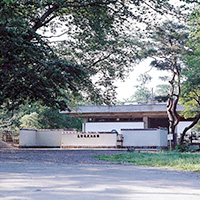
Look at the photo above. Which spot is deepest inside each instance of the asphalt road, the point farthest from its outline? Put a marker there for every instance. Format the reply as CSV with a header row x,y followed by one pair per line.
x,y
76,175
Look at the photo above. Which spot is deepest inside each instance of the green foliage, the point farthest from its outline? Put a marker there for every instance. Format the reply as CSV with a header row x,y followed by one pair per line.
x,y
183,148
190,96
162,93
188,100
37,116
142,94
162,90
30,70
169,44
52,119
175,160
30,121
191,74
38,65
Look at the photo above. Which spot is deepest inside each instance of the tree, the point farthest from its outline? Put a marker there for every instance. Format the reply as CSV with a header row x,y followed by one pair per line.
x,y
35,67
190,97
30,121
36,116
142,94
168,47
162,90
161,93
51,118
191,74
191,100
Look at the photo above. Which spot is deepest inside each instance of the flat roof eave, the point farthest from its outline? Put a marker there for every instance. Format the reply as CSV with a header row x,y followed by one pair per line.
x,y
120,111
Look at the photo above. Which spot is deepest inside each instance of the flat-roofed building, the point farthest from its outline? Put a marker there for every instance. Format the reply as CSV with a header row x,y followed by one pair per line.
x,y
118,117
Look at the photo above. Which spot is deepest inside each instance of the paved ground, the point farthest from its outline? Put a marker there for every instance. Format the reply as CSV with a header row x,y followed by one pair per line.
x,y
76,175
4,145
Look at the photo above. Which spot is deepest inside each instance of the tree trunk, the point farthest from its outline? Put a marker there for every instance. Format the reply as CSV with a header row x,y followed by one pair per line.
x,y
196,119
172,113
173,118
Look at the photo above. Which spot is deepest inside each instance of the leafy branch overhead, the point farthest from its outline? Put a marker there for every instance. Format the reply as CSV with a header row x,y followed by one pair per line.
x,y
53,51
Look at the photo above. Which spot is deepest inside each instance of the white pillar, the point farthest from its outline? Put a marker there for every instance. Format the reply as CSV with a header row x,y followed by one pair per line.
x,y
146,122
84,125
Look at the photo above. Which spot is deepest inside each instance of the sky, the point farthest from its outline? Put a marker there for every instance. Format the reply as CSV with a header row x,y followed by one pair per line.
x,y
127,88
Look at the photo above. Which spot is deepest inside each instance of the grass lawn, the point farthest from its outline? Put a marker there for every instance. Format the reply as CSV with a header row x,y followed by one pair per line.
x,y
175,160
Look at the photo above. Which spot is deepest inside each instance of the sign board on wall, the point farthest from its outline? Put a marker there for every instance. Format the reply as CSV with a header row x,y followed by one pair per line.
x,y
170,136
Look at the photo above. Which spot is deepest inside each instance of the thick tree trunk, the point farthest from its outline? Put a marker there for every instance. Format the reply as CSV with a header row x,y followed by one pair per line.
x,y
173,118
172,113
196,119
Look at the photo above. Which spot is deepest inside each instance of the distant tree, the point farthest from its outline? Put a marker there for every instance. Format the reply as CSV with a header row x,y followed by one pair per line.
x,y
142,93
162,92
52,119
37,116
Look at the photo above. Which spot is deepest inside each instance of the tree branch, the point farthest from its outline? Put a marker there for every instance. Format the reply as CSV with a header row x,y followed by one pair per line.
x,y
53,36
100,60
73,4
41,21
196,119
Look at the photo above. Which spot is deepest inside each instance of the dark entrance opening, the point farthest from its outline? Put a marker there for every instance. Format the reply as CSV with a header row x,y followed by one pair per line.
x,y
158,122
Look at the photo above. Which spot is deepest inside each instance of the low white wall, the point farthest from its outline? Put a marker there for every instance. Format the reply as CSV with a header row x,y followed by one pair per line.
x,y
61,138
92,139
49,138
109,126
40,138
163,137
57,138
27,137
144,137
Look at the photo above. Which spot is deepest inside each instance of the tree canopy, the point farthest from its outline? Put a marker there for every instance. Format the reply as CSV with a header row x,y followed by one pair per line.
x,y
53,51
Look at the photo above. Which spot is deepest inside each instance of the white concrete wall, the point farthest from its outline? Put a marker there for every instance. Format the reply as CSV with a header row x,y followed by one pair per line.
x,y
145,137
40,138
27,137
78,139
109,126
49,138
57,138
163,137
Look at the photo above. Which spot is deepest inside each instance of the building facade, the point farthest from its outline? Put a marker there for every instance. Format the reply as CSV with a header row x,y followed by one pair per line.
x,y
119,126
118,117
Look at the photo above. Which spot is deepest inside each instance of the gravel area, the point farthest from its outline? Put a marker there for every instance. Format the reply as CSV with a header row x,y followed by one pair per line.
x,y
63,174
5,145
77,157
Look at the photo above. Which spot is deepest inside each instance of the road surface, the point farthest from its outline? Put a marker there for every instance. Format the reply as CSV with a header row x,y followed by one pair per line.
x,y
76,175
